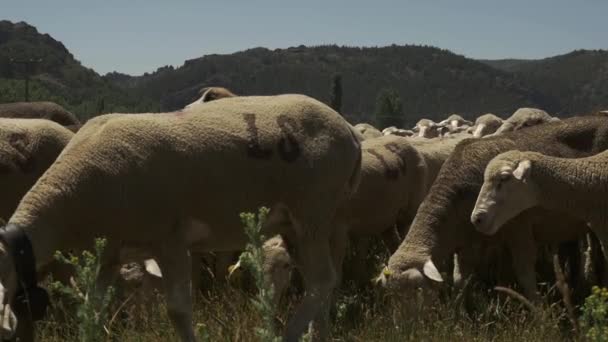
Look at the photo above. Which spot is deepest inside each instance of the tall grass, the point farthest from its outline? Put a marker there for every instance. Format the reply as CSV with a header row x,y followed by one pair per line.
x,y
227,313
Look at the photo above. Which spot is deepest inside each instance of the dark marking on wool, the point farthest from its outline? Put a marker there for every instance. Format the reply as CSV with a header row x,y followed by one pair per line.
x,y
401,155
289,148
254,149
389,172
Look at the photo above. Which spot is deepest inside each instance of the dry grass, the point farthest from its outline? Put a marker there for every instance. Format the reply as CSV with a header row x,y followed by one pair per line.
x,y
227,314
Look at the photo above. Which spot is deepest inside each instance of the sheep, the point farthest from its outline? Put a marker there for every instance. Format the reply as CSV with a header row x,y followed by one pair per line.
x,y
173,182
455,121
427,129
442,224
403,133
222,259
397,131
368,131
215,93
277,266
515,181
396,174
27,148
209,94
485,125
40,110
525,117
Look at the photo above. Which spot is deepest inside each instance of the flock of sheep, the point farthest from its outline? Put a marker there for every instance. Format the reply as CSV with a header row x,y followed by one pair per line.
x,y
165,189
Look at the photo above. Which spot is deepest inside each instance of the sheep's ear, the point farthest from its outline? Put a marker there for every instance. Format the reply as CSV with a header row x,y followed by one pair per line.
x,y
431,271
153,268
208,95
523,170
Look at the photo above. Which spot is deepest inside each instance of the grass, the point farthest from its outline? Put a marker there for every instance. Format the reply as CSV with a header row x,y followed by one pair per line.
x,y
228,313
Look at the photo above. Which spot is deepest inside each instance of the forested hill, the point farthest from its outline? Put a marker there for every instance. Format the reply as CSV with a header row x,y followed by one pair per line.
x,y
58,76
430,82
426,81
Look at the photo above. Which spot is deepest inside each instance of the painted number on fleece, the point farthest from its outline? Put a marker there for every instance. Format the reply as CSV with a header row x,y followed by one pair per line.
x,y
288,147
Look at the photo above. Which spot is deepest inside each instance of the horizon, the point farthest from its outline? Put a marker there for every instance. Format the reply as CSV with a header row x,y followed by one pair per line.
x,y
138,37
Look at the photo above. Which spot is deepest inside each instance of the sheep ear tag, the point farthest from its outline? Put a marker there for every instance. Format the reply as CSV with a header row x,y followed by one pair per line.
x,y
34,302
523,170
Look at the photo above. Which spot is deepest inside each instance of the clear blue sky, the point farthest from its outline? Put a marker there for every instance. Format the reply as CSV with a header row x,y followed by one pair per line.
x,y
135,36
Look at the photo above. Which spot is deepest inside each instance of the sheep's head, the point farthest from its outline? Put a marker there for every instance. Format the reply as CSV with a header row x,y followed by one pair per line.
x,y
455,121
427,129
505,193
404,273
8,288
486,124
209,94
278,265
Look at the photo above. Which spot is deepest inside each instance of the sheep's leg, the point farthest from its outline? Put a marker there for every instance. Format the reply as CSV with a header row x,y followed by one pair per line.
x,y
196,266
358,267
176,264
339,244
602,235
523,256
314,259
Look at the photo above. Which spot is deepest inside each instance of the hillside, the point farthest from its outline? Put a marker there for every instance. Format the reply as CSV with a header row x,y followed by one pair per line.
x,y
58,77
576,82
508,64
430,82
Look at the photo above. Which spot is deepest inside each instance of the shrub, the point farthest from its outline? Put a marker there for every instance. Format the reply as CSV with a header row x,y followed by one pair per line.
x,y
92,303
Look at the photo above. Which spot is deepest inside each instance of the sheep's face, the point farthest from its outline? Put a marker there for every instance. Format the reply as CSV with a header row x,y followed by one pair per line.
x,y
408,273
8,286
277,265
484,128
428,129
505,193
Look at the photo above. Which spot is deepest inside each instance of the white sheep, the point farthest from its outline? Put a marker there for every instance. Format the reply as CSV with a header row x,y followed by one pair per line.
x,y
173,182
515,181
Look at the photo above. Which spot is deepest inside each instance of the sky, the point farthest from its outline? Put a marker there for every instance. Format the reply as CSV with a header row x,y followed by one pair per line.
x,y
137,36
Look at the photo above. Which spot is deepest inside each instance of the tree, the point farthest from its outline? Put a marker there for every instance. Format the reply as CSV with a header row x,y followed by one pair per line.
x,y
389,109
336,93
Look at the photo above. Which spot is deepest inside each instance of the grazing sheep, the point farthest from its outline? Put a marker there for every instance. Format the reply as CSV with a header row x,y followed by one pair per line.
x,y
525,117
368,131
515,181
455,121
485,125
27,148
40,110
427,129
277,267
396,174
442,224
167,183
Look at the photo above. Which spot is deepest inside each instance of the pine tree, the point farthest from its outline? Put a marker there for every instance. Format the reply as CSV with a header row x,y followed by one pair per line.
x,y
336,93
389,109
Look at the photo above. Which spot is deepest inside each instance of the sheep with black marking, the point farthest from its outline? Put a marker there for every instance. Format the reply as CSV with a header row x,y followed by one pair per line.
x,y
173,182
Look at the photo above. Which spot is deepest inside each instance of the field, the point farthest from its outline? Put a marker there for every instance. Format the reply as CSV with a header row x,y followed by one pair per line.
x,y
226,312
